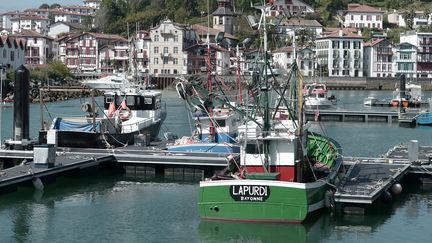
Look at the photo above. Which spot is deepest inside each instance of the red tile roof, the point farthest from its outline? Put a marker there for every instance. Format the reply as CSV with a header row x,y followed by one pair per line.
x,y
358,8
346,33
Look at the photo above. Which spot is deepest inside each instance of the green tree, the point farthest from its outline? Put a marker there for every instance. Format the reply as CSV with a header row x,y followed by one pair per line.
x,y
55,5
44,6
191,7
408,16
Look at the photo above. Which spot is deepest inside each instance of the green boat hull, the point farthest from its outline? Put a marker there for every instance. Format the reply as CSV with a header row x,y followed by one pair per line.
x,y
260,200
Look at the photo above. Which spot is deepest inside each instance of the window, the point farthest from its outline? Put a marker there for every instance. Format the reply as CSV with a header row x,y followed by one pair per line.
x,y
176,38
165,60
12,57
165,50
156,49
156,38
369,17
175,50
175,61
361,17
378,17
4,53
155,71
220,20
352,17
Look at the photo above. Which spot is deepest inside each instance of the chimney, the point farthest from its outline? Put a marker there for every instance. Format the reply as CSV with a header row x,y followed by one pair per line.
x,y
359,33
340,33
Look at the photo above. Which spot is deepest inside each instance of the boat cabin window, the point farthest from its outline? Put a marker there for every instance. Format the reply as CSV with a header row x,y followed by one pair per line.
x,y
221,123
134,102
321,95
130,100
254,148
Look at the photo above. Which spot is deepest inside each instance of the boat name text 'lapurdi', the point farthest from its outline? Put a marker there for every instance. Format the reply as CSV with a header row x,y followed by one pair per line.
x,y
250,193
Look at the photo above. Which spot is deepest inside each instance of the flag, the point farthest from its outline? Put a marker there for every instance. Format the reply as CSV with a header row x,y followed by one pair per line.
x,y
123,105
111,110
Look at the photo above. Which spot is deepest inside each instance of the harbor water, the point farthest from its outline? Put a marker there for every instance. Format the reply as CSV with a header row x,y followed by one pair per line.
x,y
108,206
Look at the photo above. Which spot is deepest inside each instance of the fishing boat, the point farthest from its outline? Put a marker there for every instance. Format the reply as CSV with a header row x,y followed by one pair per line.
x,y
129,115
316,96
107,83
215,120
410,95
284,172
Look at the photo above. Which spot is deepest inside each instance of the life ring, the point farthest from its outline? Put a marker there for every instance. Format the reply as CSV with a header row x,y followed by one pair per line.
x,y
125,114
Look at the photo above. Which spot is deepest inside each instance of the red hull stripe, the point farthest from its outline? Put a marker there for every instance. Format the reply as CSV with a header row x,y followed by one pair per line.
x,y
287,173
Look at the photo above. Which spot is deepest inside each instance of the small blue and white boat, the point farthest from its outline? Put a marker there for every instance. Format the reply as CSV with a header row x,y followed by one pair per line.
x,y
424,118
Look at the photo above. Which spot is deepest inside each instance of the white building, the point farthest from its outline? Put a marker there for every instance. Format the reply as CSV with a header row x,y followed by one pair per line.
x,y
93,3
142,47
294,7
378,58
80,9
340,52
423,42
72,17
38,50
30,22
405,61
396,17
63,27
363,16
82,51
11,51
308,61
283,57
169,41
9,16
312,27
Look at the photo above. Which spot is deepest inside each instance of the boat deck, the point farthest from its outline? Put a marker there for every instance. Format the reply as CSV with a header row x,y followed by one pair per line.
x,y
365,182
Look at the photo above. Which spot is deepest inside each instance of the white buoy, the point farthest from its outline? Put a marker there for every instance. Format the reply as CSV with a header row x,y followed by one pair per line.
x,y
37,183
396,188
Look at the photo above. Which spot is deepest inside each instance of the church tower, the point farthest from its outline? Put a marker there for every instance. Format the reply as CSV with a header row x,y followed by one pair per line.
x,y
223,17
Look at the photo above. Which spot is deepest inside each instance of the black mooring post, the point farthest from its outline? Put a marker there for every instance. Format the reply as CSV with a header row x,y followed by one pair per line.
x,y
21,107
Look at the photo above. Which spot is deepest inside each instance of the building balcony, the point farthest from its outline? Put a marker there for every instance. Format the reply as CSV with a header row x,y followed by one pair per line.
x,y
121,58
166,32
335,65
346,66
165,54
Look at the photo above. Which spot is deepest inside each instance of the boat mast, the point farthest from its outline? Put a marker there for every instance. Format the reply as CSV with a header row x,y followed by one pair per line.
x,y
209,79
265,87
239,88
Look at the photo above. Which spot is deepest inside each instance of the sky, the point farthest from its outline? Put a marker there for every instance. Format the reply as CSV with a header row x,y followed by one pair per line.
x,y
11,5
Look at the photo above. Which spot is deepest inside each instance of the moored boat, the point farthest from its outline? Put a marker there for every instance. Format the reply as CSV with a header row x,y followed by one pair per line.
x,y
284,172
316,96
107,83
369,101
424,118
129,115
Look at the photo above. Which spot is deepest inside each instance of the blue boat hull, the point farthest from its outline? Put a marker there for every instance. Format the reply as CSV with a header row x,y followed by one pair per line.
x,y
206,148
424,119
